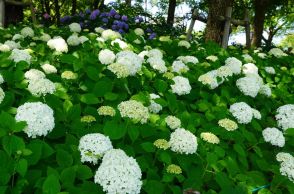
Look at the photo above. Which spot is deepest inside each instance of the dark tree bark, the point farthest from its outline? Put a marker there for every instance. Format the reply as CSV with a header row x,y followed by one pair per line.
x,y
171,12
260,7
214,28
47,6
74,7
57,11
96,4
13,14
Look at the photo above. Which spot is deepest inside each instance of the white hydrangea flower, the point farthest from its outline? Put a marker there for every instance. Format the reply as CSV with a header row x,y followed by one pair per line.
x,y
34,74
228,124
154,107
285,116
27,32
119,70
41,87
188,59
287,165
234,64
139,32
17,37
122,44
73,40
4,48
183,141
181,85
249,85
184,43
1,79
75,27
130,60
262,55
154,96
265,90
39,118
58,44
248,58
179,67
277,52
256,114
45,37
210,79
20,55
106,111
93,146
249,68
49,69
173,122
224,72
273,136
242,112
12,45
110,35
119,173
212,58
83,39
69,75
156,53
134,110
142,54
270,70
99,30
209,137
106,56
2,95
157,64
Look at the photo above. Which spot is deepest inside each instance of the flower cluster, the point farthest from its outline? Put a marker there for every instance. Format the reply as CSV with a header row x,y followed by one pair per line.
x,y
75,27
119,173
181,85
161,144
39,118
228,124
69,75
88,119
154,107
179,67
210,137
106,56
93,146
106,111
273,136
285,116
20,55
287,165
173,122
134,110
49,69
277,52
270,70
155,59
174,169
242,112
183,141
27,32
188,59
58,44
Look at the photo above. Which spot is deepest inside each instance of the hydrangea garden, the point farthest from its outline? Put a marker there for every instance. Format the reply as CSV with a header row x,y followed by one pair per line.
x,y
107,111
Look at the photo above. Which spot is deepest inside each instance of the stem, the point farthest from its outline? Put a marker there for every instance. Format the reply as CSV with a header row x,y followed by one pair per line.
x,y
126,87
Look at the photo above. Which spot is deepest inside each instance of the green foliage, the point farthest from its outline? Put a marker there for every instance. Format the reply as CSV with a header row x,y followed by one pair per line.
x,y
241,161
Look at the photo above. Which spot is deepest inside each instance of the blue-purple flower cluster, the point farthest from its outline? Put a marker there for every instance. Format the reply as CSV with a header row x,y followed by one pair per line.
x,y
107,20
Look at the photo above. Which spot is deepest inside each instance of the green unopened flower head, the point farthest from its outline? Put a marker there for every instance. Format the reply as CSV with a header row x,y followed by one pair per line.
x,y
174,169
106,111
161,144
88,119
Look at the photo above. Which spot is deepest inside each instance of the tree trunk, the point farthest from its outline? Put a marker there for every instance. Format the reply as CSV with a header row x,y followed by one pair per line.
x,y
129,2
95,4
171,12
74,7
215,27
57,11
259,9
47,6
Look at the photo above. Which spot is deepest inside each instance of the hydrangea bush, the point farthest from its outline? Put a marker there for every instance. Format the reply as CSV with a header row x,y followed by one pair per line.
x,y
97,112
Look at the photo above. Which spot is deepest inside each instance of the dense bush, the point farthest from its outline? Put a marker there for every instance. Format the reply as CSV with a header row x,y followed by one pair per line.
x,y
159,101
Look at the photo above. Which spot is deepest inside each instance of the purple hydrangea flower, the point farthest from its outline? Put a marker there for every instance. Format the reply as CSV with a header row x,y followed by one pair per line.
x,y
126,26
124,18
114,27
46,16
152,36
82,24
117,16
81,14
103,15
105,20
116,22
88,11
112,13
148,30
121,31
120,24
65,19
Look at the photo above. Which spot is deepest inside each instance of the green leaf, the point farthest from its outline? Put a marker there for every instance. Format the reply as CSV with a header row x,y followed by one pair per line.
x,y
51,185
240,150
165,157
12,143
89,99
93,73
19,126
63,158
148,147
84,172
223,180
160,85
67,58
133,133
68,175
102,87
110,96
154,187
114,130
21,167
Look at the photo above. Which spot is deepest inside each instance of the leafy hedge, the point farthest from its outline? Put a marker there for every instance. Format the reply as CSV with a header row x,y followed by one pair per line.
x,y
241,162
